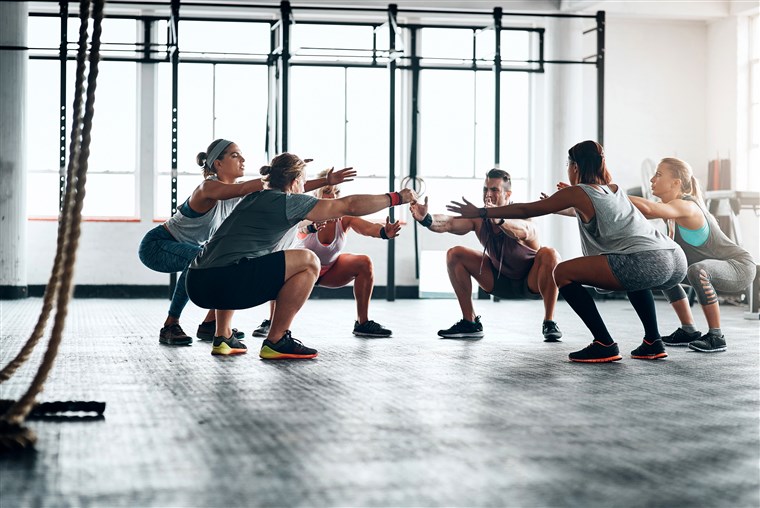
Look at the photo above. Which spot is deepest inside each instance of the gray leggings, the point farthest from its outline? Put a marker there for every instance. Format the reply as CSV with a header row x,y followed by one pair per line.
x,y
711,275
653,269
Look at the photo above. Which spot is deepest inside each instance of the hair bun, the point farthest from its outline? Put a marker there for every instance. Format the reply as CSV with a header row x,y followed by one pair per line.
x,y
265,170
200,159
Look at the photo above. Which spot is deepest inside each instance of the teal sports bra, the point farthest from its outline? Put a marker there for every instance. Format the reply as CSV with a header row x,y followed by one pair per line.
x,y
695,237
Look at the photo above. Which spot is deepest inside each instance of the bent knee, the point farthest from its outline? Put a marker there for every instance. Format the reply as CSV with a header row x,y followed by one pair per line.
x,y
547,256
456,254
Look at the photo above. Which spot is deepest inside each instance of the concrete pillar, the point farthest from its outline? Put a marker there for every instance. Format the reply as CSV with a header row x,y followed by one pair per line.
x,y
564,124
13,139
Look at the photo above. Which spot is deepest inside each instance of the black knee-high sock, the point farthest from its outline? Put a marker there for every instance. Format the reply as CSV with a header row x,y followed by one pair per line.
x,y
583,305
643,302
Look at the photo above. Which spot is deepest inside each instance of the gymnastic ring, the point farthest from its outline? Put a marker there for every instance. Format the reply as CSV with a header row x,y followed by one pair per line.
x,y
417,184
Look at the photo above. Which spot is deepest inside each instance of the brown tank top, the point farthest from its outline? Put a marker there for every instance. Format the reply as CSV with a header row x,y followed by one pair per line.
x,y
511,258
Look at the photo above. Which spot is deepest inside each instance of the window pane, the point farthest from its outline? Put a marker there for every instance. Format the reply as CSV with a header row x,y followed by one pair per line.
x,y
367,121
195,120
241,110
109,196
317,126
484,122
42,119
515,111
348,42
220,37
485,44
446,123
42,195
448,43
515,45
114,131
44,32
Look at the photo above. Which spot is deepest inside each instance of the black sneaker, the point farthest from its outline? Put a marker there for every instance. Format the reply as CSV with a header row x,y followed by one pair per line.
x,y
228,346
207,330
680,338
596,352
286,348
709,343
551,331
370,329
263,329
173,335
464,329
649,350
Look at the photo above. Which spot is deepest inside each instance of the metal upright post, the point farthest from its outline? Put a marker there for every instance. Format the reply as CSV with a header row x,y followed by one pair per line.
x,y
600,25
414,134
392,14
174,56
64,13
497,86
285,11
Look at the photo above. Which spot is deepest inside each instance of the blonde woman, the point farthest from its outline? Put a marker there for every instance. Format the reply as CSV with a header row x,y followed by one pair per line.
x,y
715,263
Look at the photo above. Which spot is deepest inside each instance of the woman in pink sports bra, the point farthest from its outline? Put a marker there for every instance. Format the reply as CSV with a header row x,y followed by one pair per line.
x,y
327,240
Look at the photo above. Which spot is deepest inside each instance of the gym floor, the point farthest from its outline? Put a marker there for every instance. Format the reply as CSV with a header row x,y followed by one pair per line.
x,y
413,420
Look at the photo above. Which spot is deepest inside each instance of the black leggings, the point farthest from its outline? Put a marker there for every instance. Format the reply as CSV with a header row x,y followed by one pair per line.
x,y
246,284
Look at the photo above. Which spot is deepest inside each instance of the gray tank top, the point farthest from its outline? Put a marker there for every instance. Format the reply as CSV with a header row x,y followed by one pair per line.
x,y
618,227
717,245
188,226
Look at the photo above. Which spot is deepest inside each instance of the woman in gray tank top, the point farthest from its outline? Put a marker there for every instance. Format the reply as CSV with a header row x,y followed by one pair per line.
x,y
170,247
715,263
622,251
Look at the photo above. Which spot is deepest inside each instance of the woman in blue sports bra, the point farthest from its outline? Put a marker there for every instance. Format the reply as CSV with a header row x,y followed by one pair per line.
x,y
715,262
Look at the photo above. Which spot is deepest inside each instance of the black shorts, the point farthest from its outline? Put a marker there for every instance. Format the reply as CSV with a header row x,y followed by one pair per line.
x,y
511,289
246,284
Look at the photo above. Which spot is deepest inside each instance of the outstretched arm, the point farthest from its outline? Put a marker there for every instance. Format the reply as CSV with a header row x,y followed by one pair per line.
x,y
439,223
676,209
332,178
358,205
366,228
570,197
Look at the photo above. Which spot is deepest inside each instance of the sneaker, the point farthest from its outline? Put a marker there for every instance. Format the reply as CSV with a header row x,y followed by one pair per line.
x,y
709,343
649,350
464,329
551,331
206,331
173,335
286,348
228,346
596,352
370,329
680,338
263,329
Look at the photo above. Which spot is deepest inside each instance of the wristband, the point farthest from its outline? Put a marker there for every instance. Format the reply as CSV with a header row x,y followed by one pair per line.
x,y
483,213
383,234
427,220
311,228
394,197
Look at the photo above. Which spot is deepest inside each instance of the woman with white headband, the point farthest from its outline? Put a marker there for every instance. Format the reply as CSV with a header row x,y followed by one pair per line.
x,y
170,247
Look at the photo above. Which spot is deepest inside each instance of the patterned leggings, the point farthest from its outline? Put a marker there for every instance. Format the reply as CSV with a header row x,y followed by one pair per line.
x,y
711,275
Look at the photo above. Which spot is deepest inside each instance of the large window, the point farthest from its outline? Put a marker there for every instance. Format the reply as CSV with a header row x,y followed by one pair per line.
x,y
215,101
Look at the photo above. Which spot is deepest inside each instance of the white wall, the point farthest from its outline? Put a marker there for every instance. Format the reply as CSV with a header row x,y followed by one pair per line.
x,y
656,95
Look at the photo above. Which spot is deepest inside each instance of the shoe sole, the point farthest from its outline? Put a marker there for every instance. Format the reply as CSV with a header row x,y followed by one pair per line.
x,y
476,335
598,360
716,350
650,357
261,334
287,357
676,344
229,351
552,339
372,335
185,342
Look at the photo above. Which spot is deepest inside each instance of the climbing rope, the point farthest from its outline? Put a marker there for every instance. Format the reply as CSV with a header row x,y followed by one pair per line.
x,y
13,434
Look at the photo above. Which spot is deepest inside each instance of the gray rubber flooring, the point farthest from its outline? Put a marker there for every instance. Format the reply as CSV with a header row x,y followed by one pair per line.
x,y
413,420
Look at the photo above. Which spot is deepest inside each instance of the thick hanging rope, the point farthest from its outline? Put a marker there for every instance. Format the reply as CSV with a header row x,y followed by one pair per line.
x,y
12,433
